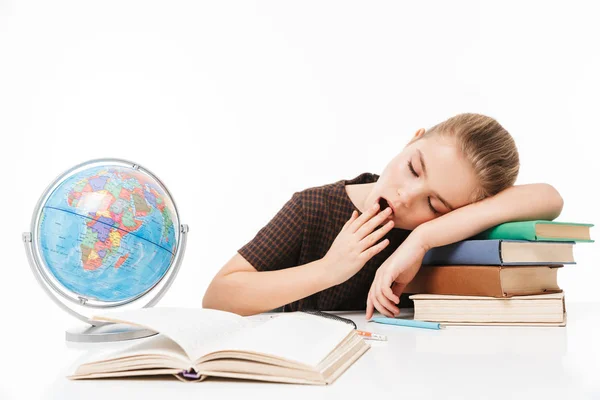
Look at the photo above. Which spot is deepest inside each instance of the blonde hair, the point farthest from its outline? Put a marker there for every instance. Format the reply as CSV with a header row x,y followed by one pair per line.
x,y
489,148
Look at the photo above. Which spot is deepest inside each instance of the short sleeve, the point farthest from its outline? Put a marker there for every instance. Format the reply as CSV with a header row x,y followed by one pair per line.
x,y
277,245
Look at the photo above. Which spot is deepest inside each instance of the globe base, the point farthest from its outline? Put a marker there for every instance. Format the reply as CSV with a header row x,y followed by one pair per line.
x,y
106,333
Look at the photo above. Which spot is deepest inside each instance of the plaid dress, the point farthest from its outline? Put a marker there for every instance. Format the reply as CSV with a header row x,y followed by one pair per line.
x,y
304,230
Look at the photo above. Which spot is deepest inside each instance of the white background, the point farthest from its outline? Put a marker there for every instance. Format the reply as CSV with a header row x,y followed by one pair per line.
x,y
237,105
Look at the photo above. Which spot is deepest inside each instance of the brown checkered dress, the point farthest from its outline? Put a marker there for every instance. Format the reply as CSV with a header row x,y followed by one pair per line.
x,y
303,231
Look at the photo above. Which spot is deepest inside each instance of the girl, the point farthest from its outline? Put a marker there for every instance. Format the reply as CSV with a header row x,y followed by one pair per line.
x,y
357,243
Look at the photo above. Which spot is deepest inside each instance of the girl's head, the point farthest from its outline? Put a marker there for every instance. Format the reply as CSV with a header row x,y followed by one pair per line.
x,y
460,161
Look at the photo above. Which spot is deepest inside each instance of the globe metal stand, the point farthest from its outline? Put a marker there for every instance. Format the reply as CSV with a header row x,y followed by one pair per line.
x,y
96,331
102,331
106,333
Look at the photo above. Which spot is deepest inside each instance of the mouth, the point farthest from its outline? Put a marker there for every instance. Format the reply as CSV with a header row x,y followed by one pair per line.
x,y
383,204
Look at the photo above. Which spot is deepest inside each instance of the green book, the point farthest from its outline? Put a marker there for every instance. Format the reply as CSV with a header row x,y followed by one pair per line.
x,y
539,230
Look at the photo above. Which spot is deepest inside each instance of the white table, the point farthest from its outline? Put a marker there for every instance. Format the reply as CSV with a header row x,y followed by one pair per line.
x,y
454,363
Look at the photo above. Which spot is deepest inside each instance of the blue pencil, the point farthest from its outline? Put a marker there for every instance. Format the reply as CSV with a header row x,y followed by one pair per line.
x,y
407,322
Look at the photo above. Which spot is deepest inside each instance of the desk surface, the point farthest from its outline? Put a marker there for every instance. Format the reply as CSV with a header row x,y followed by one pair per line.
x,y
457,362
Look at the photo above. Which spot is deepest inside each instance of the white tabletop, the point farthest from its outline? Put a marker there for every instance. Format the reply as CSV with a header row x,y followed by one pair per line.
x,y
454,363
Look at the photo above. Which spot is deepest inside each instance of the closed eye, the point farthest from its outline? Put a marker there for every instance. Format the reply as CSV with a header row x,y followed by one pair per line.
x,y
433,210
410,166
412,170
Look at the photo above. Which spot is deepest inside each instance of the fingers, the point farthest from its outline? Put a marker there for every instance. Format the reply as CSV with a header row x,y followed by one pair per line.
x,y
387,304
398,289
368,253
352,218
367,215
382,309
382,298
375,236
369,314
387,292
386,289
373,303
373,223
388,308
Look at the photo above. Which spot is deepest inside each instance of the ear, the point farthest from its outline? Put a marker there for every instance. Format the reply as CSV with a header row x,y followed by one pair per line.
x,y
418,135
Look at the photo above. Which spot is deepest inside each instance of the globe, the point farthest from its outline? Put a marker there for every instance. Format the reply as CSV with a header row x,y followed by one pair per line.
x,y
105,234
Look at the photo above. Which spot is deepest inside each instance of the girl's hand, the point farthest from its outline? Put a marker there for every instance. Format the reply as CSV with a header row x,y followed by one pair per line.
x,y
393,276
355,244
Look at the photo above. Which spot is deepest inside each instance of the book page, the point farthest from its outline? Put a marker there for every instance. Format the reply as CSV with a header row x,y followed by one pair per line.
x,y
190,328
158,350
505,300
157,345
294,336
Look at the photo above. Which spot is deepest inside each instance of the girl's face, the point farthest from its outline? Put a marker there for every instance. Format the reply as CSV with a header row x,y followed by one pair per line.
x,y
427,179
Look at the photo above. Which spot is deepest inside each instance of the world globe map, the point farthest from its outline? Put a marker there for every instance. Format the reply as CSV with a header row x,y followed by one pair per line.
x,y
108,233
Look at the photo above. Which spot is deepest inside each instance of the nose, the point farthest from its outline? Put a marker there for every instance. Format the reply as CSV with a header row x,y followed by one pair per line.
x,y
407,195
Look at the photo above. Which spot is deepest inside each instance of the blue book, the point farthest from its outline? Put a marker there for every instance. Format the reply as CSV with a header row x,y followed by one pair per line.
x,y
501,252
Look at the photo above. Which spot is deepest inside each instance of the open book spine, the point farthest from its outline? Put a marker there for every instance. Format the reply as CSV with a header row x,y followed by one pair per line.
x,y
190,375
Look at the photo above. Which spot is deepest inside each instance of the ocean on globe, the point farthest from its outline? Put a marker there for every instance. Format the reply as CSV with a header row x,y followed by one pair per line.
x,y
108,233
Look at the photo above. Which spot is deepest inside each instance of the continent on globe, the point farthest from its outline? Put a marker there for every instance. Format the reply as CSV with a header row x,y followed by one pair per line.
x,y
108,232
115,208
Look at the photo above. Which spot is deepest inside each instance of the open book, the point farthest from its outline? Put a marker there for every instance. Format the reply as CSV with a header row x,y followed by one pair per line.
x,y
194,344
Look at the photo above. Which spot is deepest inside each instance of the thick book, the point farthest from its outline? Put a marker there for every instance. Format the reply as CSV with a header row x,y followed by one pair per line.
x,y
485,280
501,252
194,344
539,230
538,310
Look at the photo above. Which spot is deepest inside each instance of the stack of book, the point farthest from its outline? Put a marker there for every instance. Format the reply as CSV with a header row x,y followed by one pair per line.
x,y
506,275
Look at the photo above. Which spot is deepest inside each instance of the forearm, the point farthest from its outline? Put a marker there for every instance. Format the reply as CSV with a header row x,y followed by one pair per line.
x,y
250,292
517,203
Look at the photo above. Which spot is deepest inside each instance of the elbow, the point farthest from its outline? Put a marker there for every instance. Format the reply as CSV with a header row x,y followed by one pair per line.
x,y
207,300
210,299
554,201
219,296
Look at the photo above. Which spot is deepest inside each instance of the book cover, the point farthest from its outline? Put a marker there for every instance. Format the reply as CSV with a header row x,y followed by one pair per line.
x,y
501,252
541,310
539,230
489,280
